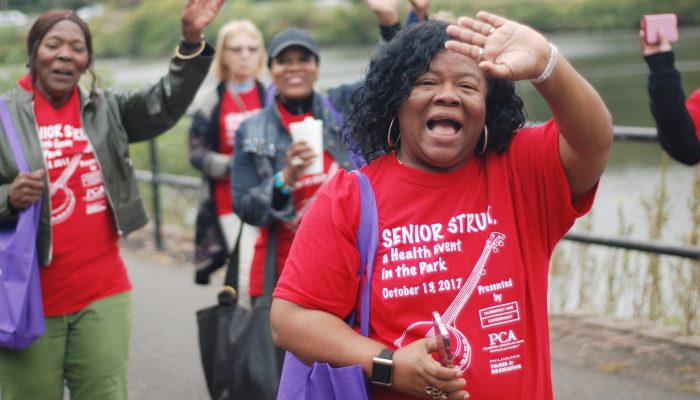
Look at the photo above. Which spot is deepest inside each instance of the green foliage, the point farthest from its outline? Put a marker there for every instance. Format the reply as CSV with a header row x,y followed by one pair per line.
x,y
171,150
12,43
43,5
152,27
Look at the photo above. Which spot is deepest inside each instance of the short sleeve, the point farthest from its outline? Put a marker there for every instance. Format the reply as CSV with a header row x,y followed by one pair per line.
x,y
322,269
542,184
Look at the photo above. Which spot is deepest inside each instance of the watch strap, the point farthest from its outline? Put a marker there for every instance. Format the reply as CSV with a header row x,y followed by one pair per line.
x,y
386,354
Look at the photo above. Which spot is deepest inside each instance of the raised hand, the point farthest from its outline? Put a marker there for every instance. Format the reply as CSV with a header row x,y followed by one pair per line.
x,y
385,10
504,49
26,189
649,49
196,16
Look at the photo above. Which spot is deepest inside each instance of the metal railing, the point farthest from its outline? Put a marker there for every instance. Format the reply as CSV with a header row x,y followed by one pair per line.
x,y
632,133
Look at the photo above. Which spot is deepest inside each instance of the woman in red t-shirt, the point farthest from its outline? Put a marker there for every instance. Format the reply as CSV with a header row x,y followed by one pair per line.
x,y
76,142
238,64
469,207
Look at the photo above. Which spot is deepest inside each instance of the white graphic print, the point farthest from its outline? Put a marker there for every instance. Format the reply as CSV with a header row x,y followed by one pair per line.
x,y
61,212
79,183
461,347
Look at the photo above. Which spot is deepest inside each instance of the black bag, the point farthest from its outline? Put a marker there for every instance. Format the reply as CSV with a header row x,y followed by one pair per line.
x,y
239,358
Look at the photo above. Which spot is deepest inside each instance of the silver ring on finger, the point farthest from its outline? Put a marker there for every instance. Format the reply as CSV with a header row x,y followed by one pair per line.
x,y
296,161
431,391
441,395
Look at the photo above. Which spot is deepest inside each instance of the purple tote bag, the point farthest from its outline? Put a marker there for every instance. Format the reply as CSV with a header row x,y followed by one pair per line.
x,y
321,381
21,308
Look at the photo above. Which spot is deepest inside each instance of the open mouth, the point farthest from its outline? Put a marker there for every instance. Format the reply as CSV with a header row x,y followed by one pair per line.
x,y
444,126
295,80
63,72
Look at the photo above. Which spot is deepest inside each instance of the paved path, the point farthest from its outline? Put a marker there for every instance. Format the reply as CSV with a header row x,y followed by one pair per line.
x,y
591,360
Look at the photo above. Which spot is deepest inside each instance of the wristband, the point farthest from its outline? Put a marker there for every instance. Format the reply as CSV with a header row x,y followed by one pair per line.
x,y
389,31
550,65
280,184
185,45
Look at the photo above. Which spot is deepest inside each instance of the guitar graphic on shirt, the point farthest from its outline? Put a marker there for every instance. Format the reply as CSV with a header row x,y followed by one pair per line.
x,y
64,210
460,344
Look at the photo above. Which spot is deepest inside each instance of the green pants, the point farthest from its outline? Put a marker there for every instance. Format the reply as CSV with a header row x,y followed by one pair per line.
x,y
87,350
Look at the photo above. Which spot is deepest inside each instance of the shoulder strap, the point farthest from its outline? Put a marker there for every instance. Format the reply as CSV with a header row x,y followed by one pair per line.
x,y
12,137
367,241
356,158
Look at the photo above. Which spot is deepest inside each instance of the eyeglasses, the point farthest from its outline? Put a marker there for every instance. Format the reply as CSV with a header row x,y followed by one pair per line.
x,y
242,49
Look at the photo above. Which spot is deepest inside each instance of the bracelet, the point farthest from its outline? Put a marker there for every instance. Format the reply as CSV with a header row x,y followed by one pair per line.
x,y
199,51
550,65
281,184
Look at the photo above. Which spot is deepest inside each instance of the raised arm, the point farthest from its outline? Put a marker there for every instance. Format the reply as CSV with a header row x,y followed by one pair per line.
x,y
508,50
154,108
674,124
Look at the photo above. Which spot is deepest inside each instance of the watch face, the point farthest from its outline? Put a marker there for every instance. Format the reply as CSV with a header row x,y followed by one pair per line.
x,y
381,371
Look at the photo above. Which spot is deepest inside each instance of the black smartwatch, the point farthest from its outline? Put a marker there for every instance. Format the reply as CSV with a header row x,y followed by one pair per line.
x,y
382,368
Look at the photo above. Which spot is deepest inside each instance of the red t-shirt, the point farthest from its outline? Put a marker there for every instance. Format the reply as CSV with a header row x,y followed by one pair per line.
x,y
305,190
473,244
230,118
86,265
692,103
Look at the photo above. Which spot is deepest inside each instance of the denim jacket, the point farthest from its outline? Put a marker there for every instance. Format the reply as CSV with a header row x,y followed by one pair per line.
x,y
261,150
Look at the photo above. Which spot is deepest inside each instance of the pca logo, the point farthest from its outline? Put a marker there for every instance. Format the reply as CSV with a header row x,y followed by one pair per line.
x,y
504,337
504,340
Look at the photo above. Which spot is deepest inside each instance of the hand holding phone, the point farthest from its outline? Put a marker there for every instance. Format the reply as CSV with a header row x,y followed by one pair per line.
x,y
442,337
653,23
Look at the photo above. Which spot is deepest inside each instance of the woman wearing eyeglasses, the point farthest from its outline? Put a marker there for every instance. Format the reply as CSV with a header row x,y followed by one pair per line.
x,y
238,64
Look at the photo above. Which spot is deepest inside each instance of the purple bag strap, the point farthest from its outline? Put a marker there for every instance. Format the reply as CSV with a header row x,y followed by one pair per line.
x,y
357,159
367,241
12,137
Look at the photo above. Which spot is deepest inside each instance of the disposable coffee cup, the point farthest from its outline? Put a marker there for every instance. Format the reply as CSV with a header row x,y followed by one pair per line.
x,y
310,130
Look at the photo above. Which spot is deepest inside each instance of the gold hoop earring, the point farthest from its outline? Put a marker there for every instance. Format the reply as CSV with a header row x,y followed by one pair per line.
x,y
486,141
392,145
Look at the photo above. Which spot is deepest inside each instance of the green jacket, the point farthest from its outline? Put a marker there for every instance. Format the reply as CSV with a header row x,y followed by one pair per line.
x,y
111,121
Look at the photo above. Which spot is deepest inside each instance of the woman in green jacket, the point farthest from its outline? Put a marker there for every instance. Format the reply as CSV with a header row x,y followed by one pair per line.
x,y
77,145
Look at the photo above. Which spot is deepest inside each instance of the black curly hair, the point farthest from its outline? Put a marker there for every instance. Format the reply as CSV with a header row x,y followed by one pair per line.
x,y
391,75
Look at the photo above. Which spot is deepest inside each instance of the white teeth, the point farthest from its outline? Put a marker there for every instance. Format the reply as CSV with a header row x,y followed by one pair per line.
x,y
455,124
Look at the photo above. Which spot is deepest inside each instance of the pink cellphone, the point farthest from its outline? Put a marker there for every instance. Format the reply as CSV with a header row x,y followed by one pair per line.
x,y
442,337
668,23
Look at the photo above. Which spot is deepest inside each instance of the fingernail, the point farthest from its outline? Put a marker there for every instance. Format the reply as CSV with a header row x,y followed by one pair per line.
x,y
462,382
466,396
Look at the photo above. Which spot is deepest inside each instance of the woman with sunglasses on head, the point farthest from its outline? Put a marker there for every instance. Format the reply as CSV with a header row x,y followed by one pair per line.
x,y
221,237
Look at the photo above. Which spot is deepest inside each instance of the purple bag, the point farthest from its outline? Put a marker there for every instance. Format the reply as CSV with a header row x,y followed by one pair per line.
x,y
321,381
21,308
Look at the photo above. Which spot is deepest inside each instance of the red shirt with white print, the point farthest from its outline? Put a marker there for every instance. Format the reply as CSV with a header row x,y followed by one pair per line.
x,y
231,115
305,189
86,265
473,244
